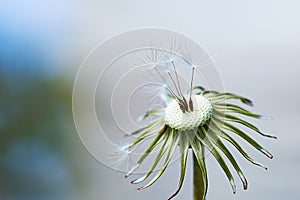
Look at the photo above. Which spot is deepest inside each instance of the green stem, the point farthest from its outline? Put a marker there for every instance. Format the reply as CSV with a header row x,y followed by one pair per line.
x,y
200,179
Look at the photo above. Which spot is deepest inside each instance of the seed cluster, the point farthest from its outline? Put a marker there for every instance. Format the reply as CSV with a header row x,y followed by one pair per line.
x,y
175,118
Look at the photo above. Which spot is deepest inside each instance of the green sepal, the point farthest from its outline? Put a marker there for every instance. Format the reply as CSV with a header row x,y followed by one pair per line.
x,y
218,143
173,145
243,135
160,154
247,124
228,138
201,135
184,148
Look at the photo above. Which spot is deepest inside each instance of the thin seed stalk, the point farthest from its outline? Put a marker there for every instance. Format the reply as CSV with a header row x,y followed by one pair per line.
x,y
198,179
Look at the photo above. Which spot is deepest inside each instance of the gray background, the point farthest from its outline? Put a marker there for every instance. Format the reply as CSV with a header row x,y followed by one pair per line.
x,y
255,45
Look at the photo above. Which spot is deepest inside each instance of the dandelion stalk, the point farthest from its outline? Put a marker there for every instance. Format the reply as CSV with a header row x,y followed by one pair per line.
x,y
200,185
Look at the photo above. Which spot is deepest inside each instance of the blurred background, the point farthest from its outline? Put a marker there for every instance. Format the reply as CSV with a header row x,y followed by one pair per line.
x,y
256,47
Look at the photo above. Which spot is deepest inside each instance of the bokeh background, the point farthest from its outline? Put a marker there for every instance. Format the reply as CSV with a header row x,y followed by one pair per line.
x,y
255,44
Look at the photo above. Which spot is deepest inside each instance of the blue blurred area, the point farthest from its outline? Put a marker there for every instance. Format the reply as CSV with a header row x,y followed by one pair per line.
x,y
35,37
21,53
35,172
37,143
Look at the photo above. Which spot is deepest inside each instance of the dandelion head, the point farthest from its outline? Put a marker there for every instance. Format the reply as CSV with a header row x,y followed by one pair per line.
x,y
195,120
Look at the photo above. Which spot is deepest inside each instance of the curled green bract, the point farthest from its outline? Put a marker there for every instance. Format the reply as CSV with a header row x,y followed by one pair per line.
x,y
207,126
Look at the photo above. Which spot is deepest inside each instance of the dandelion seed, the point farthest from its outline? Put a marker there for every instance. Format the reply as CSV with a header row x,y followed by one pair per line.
x,y
120,156
156,91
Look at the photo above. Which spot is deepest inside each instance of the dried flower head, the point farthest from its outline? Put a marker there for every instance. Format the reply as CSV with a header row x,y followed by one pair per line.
x,y
192,121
